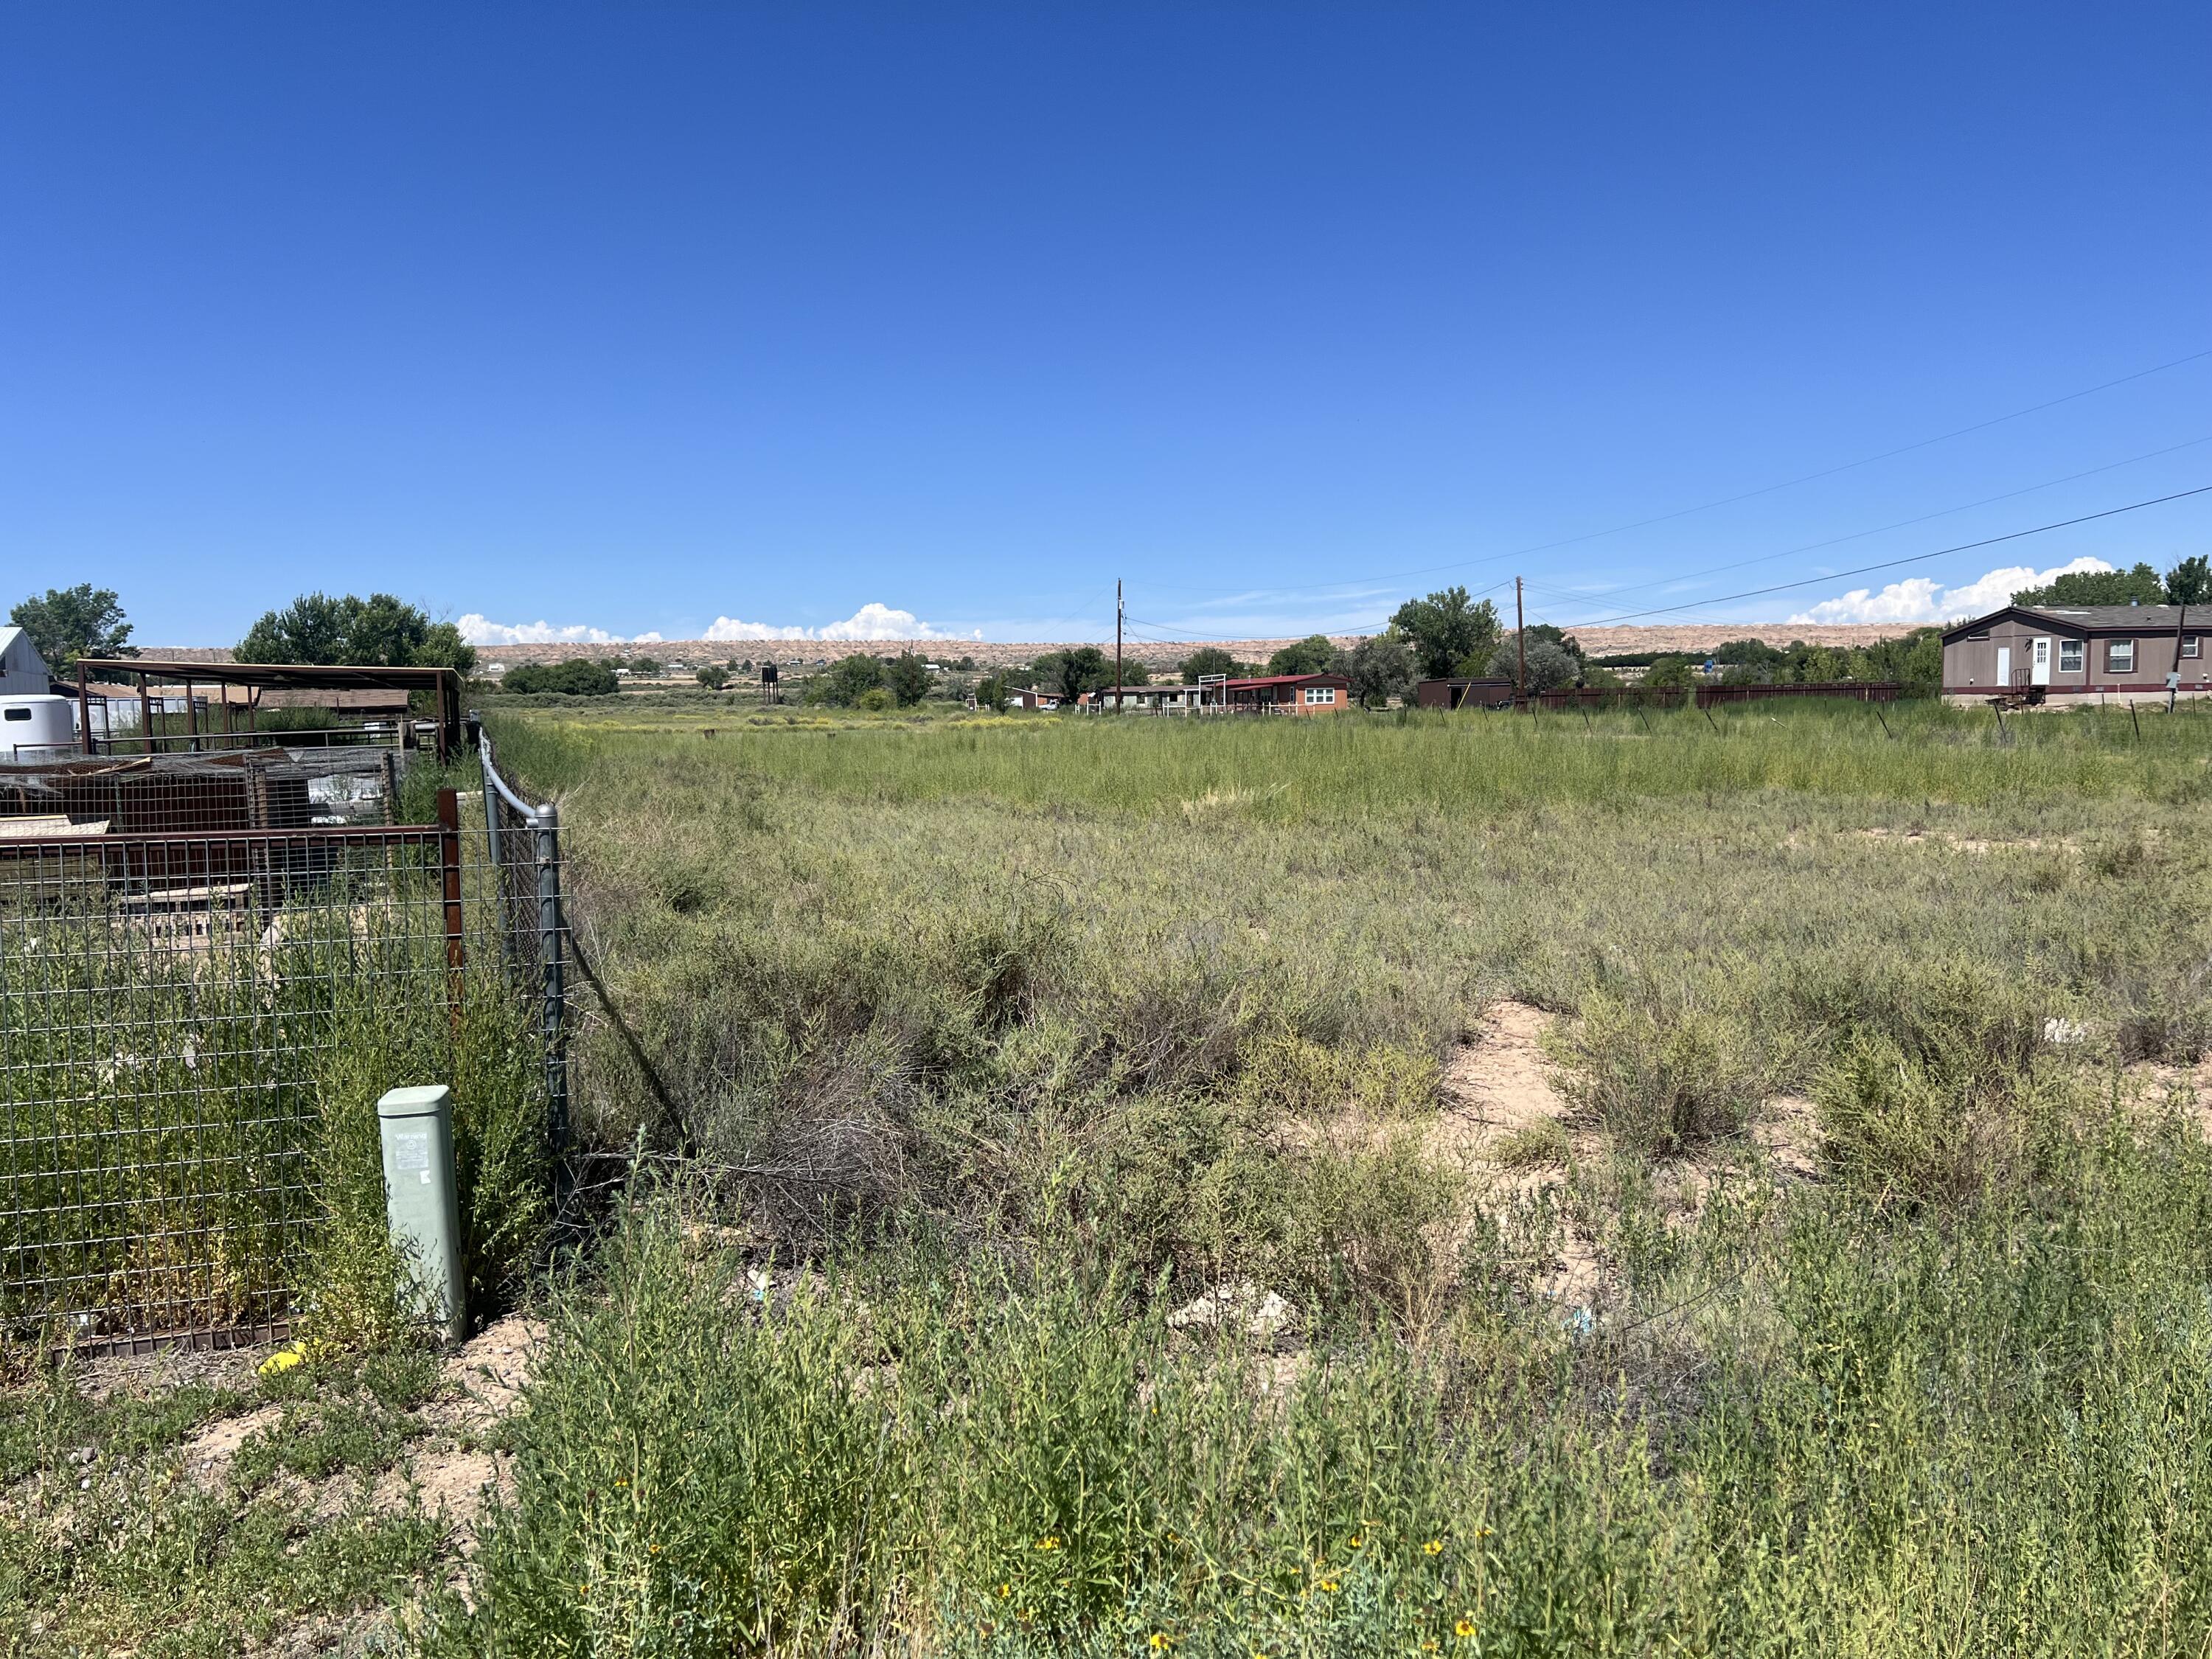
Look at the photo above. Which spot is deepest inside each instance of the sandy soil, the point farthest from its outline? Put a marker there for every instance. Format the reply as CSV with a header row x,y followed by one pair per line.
x,y
1502,1086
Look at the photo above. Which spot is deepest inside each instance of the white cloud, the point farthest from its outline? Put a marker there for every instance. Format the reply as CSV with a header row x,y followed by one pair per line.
x,y
870,621
729,628
482,631
1920,599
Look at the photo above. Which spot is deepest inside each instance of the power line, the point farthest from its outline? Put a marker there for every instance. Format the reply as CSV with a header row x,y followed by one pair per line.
x,y
1891,564
1886,455
1748,495
1901,524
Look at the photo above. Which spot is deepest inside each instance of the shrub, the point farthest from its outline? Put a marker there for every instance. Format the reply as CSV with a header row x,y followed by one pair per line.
x,y
1935,1126
1661,1073
576,678
877,700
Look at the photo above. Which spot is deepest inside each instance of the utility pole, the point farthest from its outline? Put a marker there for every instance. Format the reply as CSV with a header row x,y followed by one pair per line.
x,y
1520,645
1117,645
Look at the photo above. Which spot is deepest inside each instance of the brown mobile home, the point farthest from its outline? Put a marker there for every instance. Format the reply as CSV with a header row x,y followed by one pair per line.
x,y
2080,652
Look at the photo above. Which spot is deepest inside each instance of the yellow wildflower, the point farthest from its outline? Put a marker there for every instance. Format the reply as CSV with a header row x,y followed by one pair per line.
x,y
1048,1543
1434,1546
1463,1629
1330,1584
1159,1641
1005,1591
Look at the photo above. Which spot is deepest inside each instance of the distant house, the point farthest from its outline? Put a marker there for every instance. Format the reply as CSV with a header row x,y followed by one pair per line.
x,y
1153,699
1271,693
1288,693
2070,653
1032,697
23,670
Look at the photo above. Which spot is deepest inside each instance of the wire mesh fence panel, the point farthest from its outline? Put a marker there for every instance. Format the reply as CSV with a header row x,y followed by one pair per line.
x,y
202,957
170,1007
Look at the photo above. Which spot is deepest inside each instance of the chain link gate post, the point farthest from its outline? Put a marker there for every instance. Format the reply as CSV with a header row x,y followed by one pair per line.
x,y
547,821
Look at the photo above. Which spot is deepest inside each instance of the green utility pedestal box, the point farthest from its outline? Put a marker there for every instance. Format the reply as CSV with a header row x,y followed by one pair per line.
x,y
423,1200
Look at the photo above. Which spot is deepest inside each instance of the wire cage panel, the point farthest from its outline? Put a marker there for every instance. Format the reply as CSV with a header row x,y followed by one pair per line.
x,y
169,1009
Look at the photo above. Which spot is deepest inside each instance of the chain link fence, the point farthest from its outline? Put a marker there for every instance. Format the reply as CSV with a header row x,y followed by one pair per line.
x,y
522,845
197,956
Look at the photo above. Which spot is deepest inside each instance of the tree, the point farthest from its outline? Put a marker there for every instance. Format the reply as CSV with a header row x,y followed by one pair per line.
x,y
1915,660
313,629
1210,659
2138,586
1450,633
909,680
1550,663
575,678
713,677
1566,642
1311,655
2190,582
66,623
379,631
847,681
646,666
1749,653
1086,668
1380,667
1670,673
991,694
444,648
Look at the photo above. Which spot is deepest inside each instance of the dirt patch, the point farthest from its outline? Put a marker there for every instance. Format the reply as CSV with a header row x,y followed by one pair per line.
x,y
484,1379
1499,1084
1969,843
1789,1132
146,1377
208,1454
2159,1082
449,1470
1504,1121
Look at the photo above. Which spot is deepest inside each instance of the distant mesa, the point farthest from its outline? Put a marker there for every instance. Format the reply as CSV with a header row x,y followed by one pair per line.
x,y
998,654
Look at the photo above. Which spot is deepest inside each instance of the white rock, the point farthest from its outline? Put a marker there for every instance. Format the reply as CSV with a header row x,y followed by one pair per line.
x,y
1240,1305
2061,1031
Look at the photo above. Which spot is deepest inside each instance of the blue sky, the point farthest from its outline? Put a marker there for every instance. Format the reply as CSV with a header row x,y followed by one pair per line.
x,y
638,317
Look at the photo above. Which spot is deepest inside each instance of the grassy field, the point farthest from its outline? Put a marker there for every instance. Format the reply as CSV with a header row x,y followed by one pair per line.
x,y
979,1047
1018,1034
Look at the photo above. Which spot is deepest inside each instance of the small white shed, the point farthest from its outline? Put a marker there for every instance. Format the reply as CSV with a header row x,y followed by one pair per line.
x,y
22,671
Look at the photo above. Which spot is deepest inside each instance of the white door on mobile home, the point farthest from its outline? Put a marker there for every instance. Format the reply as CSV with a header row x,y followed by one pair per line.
x,y
2004,664
2039,662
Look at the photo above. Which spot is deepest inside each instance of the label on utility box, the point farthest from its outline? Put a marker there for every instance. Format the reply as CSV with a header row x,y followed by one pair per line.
x,y
412,1153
